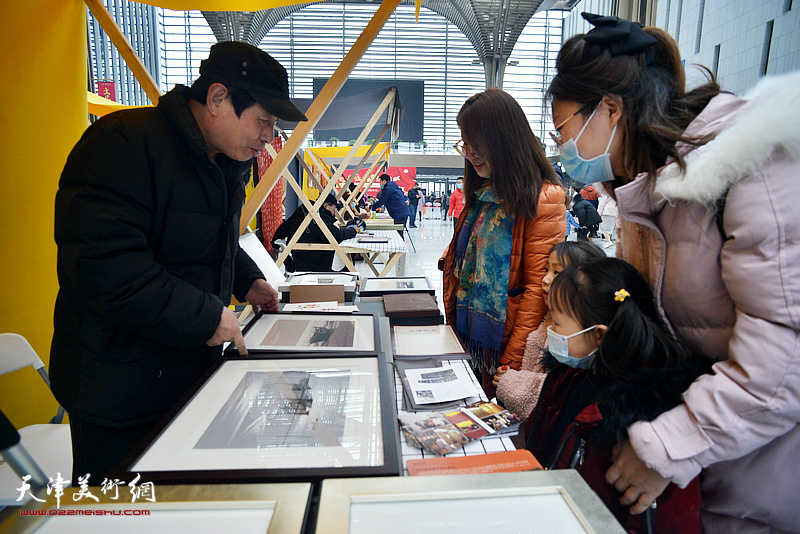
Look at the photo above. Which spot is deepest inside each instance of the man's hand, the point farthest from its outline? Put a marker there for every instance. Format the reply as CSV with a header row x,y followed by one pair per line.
x,y
262,295
639,485
228,329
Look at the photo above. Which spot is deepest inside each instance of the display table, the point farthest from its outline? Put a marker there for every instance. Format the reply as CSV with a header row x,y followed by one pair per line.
x,y
384,223
395,248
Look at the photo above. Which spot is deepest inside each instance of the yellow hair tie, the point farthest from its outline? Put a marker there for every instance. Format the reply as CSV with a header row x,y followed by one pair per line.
x,y
621,295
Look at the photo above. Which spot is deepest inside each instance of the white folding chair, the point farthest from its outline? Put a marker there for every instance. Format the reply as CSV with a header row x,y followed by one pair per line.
x,y
49,444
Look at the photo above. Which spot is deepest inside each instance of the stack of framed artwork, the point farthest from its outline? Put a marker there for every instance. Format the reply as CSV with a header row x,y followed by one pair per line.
x,y
312,400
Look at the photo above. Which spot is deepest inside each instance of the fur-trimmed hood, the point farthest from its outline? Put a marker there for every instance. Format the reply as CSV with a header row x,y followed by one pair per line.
x,y
765,122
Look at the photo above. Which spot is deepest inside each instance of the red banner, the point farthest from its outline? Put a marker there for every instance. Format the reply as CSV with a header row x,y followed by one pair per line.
x,y
107,90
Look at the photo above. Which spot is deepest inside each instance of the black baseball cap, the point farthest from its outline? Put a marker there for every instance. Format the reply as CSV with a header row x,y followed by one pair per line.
x,y
249,68
331,199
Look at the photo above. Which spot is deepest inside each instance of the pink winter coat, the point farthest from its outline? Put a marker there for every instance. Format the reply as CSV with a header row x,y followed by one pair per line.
x,y
736,300
519,390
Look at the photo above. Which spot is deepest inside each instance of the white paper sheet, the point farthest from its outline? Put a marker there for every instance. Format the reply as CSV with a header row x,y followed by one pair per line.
x,y
439,384
252,246
329,307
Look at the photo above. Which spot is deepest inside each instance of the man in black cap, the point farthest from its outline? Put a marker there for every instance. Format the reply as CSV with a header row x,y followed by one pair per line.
x,y
147,223
313,260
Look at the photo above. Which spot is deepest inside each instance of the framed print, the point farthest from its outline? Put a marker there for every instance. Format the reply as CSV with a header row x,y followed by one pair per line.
x,y
349,280
323,333
544,501
320,280
250,509
425,340
377,287
278,419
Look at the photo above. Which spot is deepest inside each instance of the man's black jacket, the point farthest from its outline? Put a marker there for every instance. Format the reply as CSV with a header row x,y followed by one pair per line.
x,y
147,233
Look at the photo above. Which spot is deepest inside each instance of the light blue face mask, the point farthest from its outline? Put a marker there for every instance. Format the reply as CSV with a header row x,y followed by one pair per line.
x,y
587,171
558,345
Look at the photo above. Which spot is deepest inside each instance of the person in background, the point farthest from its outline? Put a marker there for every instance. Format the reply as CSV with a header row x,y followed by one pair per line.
x,y
612,361
513,215
147,227
519,390
608,212
313,260
393,200
445,203
413,203
591,195
587,216
421,204
705,184
571,222
456,202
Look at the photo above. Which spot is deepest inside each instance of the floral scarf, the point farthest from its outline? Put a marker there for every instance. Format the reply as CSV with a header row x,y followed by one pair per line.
x,y
482,264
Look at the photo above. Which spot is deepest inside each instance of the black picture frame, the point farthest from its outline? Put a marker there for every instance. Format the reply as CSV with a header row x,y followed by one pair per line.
x,y
377,287
211,466
362,318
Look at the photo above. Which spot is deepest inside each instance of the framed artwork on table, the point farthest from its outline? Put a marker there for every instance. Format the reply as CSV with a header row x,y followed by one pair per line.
x,y
203,509
278,419
316,333
377,287
349,280
541,501
426,341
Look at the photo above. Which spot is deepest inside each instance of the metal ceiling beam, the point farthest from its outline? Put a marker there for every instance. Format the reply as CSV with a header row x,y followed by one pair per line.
x,y
492,26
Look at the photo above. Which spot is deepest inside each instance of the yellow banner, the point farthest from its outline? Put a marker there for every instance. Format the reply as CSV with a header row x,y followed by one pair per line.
x,y
102,106
222,5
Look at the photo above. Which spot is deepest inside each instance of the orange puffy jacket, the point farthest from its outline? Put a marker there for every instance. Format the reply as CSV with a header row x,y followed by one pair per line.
x,y
532,241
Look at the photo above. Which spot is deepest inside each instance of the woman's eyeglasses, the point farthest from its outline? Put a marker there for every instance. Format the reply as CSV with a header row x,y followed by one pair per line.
x,y
555,135
465,150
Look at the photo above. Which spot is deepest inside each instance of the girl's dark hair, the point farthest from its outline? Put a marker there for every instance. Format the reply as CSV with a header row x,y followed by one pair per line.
x,y
656,109
494,125
636,337
240,99
569,252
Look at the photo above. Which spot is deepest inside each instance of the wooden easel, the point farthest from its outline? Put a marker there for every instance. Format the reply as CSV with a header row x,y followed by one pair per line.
x,y
388,102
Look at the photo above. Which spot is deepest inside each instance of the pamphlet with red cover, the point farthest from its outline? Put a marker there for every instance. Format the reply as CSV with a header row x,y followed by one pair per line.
x,y
495,462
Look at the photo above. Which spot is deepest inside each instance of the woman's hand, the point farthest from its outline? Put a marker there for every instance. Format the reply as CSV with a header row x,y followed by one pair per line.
x,y
499,374
640,486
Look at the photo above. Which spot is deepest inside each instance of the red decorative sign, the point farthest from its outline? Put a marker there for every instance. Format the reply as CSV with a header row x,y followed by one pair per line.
x,y
405,177
107,90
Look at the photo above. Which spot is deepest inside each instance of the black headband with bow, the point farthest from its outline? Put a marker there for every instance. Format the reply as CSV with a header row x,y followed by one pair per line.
x,y
619,36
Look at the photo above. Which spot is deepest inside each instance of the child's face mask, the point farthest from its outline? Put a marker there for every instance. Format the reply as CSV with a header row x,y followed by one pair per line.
x,y
558,345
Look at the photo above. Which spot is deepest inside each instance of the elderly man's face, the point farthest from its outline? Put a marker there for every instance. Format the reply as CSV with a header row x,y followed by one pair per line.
x,y
241,138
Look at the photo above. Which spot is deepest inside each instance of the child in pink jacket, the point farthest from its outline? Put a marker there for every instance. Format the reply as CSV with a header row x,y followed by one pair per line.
x,y
519,390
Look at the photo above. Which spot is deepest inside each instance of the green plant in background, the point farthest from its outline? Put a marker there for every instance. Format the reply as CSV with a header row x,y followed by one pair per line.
x,y
334,141
422,143
352,142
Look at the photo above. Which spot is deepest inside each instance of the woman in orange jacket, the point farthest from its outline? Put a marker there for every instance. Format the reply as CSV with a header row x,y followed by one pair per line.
x,y
513,215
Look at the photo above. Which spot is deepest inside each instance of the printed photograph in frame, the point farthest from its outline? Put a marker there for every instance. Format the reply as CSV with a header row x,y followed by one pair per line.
x,y
313,333
244,509
377,287
548,501
425,340
349,280
278,419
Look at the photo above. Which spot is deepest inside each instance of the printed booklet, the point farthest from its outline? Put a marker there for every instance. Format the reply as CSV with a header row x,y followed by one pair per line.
x,y
444,432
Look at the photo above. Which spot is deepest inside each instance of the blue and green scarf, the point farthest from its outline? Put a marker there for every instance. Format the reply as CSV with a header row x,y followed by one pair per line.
x,y
482,264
